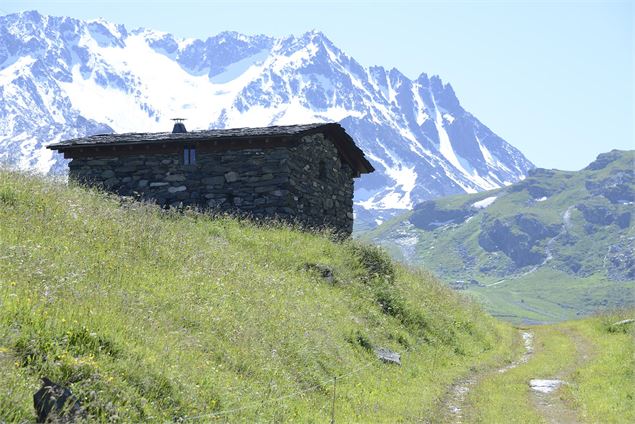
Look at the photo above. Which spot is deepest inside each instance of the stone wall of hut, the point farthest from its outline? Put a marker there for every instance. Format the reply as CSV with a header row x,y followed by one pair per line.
x,y
307,183
321,184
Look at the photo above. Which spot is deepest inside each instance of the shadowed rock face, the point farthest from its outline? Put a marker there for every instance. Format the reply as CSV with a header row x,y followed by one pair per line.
x,y
427,216
602,215
534,228
539,183
517,239
499,236
620,261
617,188
599,215
603,160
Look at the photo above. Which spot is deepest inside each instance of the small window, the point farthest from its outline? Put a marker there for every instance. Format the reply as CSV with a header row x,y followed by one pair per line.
x,y
189,156
322,170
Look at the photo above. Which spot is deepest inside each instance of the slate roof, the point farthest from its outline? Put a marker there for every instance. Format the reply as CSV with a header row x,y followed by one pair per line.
x,y
344,143
217,134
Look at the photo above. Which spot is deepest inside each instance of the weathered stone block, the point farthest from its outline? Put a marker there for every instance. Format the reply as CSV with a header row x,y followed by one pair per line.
x,y
215,203
96,162
232,176
177,189
111,182
219,180
264,189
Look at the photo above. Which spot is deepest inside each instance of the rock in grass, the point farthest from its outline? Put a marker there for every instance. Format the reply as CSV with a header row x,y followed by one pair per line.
x,y
623,322
325,271
56,404
622,326
388,356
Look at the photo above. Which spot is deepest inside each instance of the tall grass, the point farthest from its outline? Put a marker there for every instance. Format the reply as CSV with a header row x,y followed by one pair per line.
x,y
152,315
604,388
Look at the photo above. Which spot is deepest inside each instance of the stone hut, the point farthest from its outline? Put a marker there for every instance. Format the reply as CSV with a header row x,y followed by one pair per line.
x,y
297,173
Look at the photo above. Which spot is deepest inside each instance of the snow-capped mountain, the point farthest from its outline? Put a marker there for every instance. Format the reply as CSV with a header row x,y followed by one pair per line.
x,y
62,77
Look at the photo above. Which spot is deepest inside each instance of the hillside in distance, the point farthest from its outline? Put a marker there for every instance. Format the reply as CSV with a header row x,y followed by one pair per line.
x,y
554,246
64,78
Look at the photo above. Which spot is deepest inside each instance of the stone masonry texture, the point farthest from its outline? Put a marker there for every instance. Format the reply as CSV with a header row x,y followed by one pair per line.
x,y
307,183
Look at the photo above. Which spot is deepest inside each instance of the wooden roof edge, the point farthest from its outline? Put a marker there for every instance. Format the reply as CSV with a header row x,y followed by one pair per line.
x,y
354,155
180,140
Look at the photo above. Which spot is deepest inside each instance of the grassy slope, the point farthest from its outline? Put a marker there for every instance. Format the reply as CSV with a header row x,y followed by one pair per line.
x,y
551,294
603,389
599,387
157,316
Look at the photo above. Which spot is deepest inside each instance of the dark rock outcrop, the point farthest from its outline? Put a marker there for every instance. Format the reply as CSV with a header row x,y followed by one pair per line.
x,y
56,404
426,216
620,261
617,188
537,184
603,160
517,239
324,271
599,215
534,228
602,215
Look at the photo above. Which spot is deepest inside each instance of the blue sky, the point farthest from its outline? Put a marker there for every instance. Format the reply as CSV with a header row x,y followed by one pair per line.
x,y
553,78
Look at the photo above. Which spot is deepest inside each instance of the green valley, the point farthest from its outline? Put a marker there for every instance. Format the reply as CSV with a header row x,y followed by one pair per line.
x,y
555,246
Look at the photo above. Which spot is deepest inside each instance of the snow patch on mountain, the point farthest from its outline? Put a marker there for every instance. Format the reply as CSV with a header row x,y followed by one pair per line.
x,y
482,204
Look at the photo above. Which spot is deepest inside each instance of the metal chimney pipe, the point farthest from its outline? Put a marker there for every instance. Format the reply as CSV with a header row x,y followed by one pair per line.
x,y
179,126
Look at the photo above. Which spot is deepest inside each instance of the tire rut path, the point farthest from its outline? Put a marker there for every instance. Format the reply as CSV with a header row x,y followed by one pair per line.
x,y
549,401
545,394
453,405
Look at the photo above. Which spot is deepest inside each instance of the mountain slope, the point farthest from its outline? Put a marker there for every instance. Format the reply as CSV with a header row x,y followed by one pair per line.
x,y
62,77
153,316
552,246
